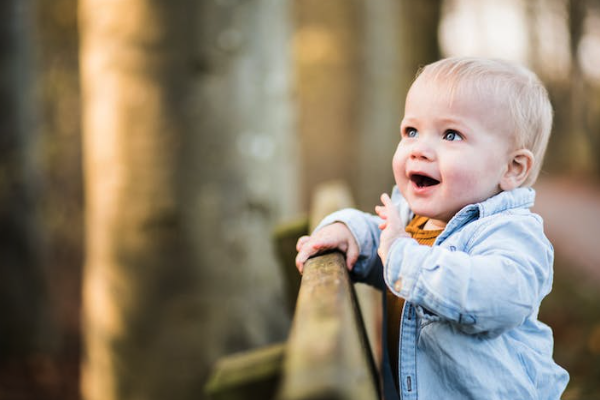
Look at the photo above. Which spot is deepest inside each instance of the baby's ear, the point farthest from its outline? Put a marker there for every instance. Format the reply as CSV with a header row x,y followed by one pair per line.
x,y
518,169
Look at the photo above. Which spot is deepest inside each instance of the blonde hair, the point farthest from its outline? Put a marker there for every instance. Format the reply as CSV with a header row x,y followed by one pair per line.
x,y
514,87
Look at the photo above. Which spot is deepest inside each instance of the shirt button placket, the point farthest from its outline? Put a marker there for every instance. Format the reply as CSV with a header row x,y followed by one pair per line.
x,y
408,354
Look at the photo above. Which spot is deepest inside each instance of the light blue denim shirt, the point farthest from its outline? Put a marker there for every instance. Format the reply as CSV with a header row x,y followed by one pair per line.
x,y
469,328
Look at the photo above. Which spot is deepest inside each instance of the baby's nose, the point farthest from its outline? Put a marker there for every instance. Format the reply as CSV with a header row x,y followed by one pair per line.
x,y
422,151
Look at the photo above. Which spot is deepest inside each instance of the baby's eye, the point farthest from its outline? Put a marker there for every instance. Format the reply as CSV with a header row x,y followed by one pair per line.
x,y
452,135
411,133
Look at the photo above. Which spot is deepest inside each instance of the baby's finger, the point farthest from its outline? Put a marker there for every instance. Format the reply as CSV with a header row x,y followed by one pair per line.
x,y
385,200
317,246
393,218
301,241
301,258
325,243
351,257
381,211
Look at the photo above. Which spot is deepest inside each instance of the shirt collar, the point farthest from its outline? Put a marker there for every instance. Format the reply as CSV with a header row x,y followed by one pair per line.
x,y
516,198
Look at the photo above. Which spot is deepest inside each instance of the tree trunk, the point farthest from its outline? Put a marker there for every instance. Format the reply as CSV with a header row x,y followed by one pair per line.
x,y
244,167
23,300
400,36
418,42
327,47
355,61
579,139
574,143
188,164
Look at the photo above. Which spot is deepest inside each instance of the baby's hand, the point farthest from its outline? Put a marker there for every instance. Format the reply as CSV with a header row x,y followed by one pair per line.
x,y
336,236
392,226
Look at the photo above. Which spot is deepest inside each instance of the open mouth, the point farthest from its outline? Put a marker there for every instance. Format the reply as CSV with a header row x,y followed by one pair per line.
x,y
423,180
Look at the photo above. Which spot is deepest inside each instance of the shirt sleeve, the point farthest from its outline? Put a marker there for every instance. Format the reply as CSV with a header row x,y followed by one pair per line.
x,y
365,229
491,286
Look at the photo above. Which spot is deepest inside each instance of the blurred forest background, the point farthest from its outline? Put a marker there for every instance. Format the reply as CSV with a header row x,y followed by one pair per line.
x,y
149,148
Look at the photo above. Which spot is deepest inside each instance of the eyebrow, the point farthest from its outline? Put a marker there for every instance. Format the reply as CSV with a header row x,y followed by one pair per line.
x,y
452,121
448,121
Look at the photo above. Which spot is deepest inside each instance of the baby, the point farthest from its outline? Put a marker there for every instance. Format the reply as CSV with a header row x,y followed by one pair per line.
x,y
463,261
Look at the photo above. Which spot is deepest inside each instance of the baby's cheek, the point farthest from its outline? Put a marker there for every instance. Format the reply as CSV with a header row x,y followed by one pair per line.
x,y
467,185
399,169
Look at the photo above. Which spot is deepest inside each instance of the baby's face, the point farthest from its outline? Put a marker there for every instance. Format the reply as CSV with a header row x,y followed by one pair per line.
x,y
453,151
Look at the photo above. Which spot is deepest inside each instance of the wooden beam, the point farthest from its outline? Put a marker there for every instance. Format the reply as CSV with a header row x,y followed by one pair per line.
x,y
249,375
328,355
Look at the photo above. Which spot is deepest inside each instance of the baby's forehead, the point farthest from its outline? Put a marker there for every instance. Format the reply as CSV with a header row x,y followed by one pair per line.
x,y
478,99
456,87
461,90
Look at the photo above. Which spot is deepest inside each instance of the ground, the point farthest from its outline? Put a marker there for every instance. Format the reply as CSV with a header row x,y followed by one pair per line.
x,y
571,212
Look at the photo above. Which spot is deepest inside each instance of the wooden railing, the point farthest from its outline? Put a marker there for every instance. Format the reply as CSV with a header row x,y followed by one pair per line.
x,y
328,354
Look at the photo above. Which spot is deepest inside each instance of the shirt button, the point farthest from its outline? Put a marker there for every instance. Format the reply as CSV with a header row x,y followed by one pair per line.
x,y
398,285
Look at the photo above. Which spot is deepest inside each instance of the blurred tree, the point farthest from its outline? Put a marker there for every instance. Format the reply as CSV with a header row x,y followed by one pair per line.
x,y
575,143
576,137
57,81
355,62
60,148
189,161
399,37
418,36
242,169
327,50
593,117
584,112
23,291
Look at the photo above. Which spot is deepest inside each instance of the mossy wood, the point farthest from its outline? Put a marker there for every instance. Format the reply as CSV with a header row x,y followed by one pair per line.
x,y
328,355
253,374
285,237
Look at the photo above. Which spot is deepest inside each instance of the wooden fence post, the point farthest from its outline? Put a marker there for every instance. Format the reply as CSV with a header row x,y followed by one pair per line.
x,y
328,354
